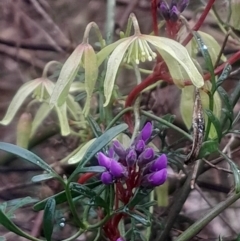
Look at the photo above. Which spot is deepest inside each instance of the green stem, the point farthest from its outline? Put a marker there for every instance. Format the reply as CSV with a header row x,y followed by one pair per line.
x,y
209,216
72,206
119,115
75,236
153,117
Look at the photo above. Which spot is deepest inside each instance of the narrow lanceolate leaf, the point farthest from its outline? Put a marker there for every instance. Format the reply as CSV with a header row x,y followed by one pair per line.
x,y
8,224
48,218
208,147
26,155
97,145
216,130
67,75
42,177
91,74
212,45
63,120
18,99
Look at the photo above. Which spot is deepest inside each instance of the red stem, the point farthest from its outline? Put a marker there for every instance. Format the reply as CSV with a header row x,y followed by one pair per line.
x,y
199,22
154,16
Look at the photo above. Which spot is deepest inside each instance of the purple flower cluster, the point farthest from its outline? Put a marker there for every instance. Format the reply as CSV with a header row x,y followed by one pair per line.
x,y
119,163
171,12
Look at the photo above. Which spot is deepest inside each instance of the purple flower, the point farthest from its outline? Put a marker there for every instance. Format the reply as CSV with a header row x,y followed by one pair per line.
x,y
119,149
146,132
146,157
117,169
139,146
172,13
154,179
158,164
131,157
120,239
106,178
104,160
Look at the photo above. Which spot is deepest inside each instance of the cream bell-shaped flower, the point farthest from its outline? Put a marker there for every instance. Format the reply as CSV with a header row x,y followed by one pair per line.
x,y
140,48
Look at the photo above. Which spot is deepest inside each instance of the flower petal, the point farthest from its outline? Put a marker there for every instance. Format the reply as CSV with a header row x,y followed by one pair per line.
x,y
24,91
113,64
179,62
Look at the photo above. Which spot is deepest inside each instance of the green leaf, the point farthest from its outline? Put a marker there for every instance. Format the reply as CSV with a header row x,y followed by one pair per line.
x,y
139,196
97,145
216,123
235,95
229,108
81,152
138,218
24,91
26,155
42,177
91,74
61,196
80,96
63,119
207,57
48,218
8,224
207,148
235,170
97,169
94,126
66,76
225,73
95,199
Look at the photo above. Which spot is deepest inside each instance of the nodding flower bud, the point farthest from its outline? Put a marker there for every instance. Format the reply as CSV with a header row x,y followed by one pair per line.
x,y
104,160
174,14
158,164
106,178
146,132
131,158
119,149
140,146
117,169
154,179
146,157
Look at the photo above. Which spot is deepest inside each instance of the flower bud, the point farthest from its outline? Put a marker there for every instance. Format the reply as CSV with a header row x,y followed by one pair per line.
x,y
154,179
131,158
140,146
106,178
146,157
158,164
164,10
146,132
104,160
174,14
117,169
119,149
